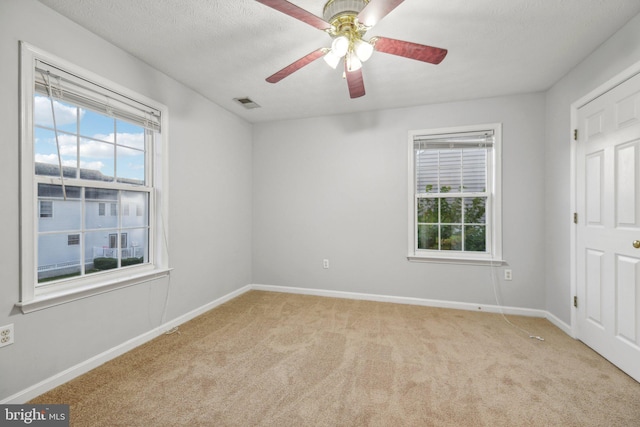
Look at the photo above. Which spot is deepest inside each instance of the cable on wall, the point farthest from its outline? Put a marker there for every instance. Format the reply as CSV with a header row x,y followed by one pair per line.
x,y
47,79
494,281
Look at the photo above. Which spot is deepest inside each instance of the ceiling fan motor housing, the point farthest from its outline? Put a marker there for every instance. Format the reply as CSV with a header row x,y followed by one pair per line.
x,y
335,8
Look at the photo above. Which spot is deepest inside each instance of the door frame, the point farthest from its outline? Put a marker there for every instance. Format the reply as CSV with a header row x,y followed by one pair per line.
x,y
617,80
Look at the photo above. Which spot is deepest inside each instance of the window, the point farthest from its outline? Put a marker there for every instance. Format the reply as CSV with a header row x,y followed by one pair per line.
x,y
46,209
454,206
88,146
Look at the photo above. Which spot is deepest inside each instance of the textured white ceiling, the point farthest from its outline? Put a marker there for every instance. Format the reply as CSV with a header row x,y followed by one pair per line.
x,y
226,49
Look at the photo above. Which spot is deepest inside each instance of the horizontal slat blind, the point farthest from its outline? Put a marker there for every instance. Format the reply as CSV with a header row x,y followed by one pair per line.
x,y
68,87
455,163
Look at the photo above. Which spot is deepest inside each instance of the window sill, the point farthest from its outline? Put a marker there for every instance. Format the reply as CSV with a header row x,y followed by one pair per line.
x,y
62,296
453,260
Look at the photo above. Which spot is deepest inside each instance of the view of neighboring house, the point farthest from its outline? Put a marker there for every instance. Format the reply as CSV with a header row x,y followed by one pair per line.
x,y
115,224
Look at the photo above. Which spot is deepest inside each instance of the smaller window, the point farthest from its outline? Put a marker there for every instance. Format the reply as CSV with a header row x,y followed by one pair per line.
x,y
454,178
125,209
73,239
46,209
114,209
101,209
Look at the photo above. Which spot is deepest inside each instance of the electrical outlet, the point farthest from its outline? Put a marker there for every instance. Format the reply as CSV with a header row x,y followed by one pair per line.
x,y
6,335
507,275
325,263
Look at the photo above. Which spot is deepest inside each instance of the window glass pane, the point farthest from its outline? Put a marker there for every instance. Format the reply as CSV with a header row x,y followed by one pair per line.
x,y
96,160
66,114
428,211
56,259
130,165
140,201
97,214
450,170
475,238
98,254
97,126
451,210
428,237
136,251
55,191
46,153
66,215
451,238
426,171
475,210
130,135
474,166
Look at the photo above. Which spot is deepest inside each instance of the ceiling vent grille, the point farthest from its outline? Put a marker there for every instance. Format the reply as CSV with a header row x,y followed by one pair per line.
x,y
246,103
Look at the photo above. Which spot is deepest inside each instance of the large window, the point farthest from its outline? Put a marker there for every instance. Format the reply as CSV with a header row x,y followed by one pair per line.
x,y
455,194
88,148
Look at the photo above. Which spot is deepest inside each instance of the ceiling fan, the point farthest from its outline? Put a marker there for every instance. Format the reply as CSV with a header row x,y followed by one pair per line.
x,y
347,21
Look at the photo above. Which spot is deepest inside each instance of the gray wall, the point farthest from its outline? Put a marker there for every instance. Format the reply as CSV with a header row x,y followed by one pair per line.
x,y
210,207
336,187
615,55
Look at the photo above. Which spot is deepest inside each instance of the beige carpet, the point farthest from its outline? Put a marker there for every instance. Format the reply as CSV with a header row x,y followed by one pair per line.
x,y
277,359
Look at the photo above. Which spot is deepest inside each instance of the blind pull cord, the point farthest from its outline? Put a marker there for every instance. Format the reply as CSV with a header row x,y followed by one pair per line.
x,y
47,79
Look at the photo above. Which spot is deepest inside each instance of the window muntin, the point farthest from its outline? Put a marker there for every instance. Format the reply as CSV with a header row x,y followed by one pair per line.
x,y
454,204
131,164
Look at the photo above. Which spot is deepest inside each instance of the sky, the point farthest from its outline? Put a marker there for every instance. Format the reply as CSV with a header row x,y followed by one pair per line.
x,y
105,144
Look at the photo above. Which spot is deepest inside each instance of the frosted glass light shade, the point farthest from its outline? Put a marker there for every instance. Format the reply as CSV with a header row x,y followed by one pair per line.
x,y
332,59
363,49
340,46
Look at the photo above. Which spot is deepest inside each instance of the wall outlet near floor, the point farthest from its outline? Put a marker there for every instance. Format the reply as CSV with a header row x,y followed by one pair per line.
x,y
6,335
507,275
325,263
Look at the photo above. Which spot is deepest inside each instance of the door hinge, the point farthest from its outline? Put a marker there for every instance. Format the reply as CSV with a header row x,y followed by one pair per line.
x,y
575,217
575,301
575,134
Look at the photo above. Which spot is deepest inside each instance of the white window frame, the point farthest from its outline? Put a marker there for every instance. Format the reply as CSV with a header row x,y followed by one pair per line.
x,y
33,297
494,202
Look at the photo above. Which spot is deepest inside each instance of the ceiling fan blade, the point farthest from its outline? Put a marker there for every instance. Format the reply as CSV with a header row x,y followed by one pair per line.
x,y
419,52
375,10
296,12
355,82
290,69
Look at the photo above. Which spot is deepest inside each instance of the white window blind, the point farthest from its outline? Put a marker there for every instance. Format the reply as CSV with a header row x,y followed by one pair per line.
x,y
65,86
452,162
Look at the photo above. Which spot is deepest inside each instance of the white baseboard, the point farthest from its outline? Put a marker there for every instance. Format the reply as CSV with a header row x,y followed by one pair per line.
x,y
84,367
405,300
564,327
89,364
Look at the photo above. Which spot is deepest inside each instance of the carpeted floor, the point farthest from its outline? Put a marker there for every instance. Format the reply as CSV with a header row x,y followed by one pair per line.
x,y
274,359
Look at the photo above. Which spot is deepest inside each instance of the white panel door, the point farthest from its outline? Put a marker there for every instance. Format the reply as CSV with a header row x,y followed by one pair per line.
x,y
608,203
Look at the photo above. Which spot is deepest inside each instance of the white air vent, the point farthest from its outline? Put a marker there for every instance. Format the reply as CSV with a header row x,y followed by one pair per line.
x,y
246,103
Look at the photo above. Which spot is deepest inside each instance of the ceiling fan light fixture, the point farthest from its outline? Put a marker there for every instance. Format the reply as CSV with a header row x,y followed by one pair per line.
x,y
353,63
340,46
363,49
332,59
